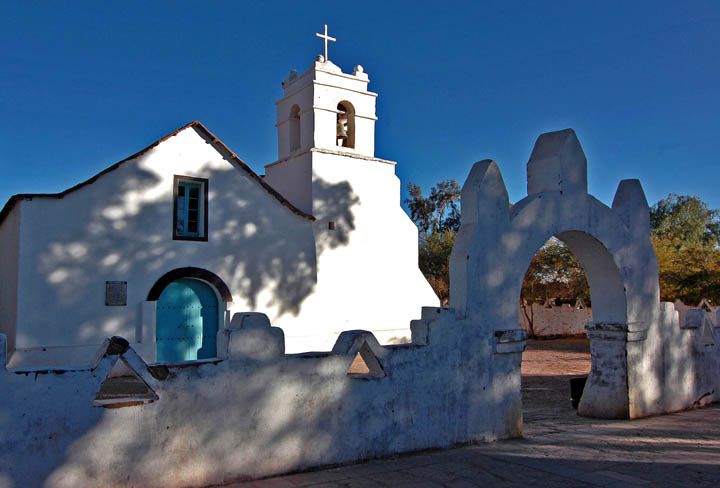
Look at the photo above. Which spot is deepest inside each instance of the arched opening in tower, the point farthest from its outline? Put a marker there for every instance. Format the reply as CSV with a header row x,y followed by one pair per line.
x,y
345,127
294,128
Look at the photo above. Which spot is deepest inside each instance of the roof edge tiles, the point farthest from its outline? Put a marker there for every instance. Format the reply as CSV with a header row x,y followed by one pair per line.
x,y
209,136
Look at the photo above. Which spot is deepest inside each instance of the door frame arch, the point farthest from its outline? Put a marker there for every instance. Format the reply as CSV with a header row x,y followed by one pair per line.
x,y
222,292
190,272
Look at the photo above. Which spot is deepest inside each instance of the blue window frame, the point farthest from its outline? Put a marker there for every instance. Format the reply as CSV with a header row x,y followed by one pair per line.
x,y
190,208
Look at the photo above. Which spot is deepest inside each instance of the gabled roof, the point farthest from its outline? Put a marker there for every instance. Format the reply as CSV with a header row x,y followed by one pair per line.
x,y
219,145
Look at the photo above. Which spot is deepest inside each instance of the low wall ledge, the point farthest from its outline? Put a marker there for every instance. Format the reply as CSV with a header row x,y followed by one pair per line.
x,y
510,341
616,331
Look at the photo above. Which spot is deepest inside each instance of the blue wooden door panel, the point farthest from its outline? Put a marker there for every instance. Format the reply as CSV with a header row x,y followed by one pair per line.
x,y
187,316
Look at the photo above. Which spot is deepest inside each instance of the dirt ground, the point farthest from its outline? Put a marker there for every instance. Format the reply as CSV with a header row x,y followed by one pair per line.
x,y
547,366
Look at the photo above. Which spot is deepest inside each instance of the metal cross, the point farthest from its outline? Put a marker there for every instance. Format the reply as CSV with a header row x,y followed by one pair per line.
x,y
326,38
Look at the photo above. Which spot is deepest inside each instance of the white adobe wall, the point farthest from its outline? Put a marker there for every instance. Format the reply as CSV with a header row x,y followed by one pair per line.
x,y
258,412
120,228
694,314
556,321
9,263
677,366
368,275
293,180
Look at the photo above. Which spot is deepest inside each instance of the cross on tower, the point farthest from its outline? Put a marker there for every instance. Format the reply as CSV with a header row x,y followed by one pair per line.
x,y
326,38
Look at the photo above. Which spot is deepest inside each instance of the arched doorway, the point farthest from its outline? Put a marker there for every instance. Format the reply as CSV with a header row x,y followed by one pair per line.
x,y
497,241
609,307
186,321
555,306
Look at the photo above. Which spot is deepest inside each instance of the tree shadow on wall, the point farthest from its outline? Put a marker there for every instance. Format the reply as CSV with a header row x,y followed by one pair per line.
x,y
334,210
263,251
216,415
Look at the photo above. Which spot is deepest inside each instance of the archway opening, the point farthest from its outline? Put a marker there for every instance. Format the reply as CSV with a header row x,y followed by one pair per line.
x,y
345,127
187,319
294,128
571,281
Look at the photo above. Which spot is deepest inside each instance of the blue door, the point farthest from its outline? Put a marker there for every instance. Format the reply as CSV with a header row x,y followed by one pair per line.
x,y
187,322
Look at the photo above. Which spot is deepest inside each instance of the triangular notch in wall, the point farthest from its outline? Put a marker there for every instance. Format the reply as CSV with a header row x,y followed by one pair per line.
x,y
705,305
123,387
365,364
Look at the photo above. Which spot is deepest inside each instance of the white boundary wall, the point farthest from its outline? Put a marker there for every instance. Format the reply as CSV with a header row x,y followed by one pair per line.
x,y
556,320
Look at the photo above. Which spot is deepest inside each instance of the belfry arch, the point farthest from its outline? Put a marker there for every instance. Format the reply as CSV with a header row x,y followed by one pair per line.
x,y
345,126
294,130
497,241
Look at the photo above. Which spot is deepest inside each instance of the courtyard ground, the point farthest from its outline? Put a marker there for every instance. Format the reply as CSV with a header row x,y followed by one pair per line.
x,y
558,449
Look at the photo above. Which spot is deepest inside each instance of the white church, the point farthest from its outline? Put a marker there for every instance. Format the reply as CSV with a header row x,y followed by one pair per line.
x,y
162,248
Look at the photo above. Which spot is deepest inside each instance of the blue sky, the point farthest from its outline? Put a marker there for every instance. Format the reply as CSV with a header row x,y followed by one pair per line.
x,y
85,84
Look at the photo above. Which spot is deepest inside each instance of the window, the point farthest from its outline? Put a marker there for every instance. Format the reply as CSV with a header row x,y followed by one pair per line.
x,y
190,208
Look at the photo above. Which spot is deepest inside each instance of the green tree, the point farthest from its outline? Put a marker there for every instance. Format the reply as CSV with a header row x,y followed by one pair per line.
x,y
439,211
553,274
437,217
685,220
434,260
686,236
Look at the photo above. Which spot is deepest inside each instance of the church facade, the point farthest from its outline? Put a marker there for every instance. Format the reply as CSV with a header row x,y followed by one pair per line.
x,y
164,247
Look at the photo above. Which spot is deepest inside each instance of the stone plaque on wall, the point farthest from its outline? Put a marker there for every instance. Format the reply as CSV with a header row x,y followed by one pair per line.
x,y
116,293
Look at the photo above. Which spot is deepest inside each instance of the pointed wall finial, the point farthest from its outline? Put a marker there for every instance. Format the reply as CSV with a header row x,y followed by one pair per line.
x,y
557,163
483,193
631,206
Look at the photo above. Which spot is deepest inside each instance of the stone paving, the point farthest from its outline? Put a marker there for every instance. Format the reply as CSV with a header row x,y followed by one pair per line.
x,y
558,449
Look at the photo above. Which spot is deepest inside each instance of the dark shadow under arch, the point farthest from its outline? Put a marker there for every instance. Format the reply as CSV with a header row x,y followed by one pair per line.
x,y
189,272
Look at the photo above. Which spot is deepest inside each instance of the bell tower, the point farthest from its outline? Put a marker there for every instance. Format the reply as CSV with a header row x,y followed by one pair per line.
x,y
323,112
327,109
327,167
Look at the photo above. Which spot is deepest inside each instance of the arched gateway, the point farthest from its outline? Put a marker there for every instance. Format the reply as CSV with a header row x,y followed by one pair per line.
x,y
497,241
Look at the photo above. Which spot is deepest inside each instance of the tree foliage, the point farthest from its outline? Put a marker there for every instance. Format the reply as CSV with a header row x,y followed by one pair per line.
x,y
434,259
686,236
685,221
555,273
439,212
437,217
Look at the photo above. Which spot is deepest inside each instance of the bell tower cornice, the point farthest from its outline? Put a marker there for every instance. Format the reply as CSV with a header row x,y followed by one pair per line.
x,y
326,73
